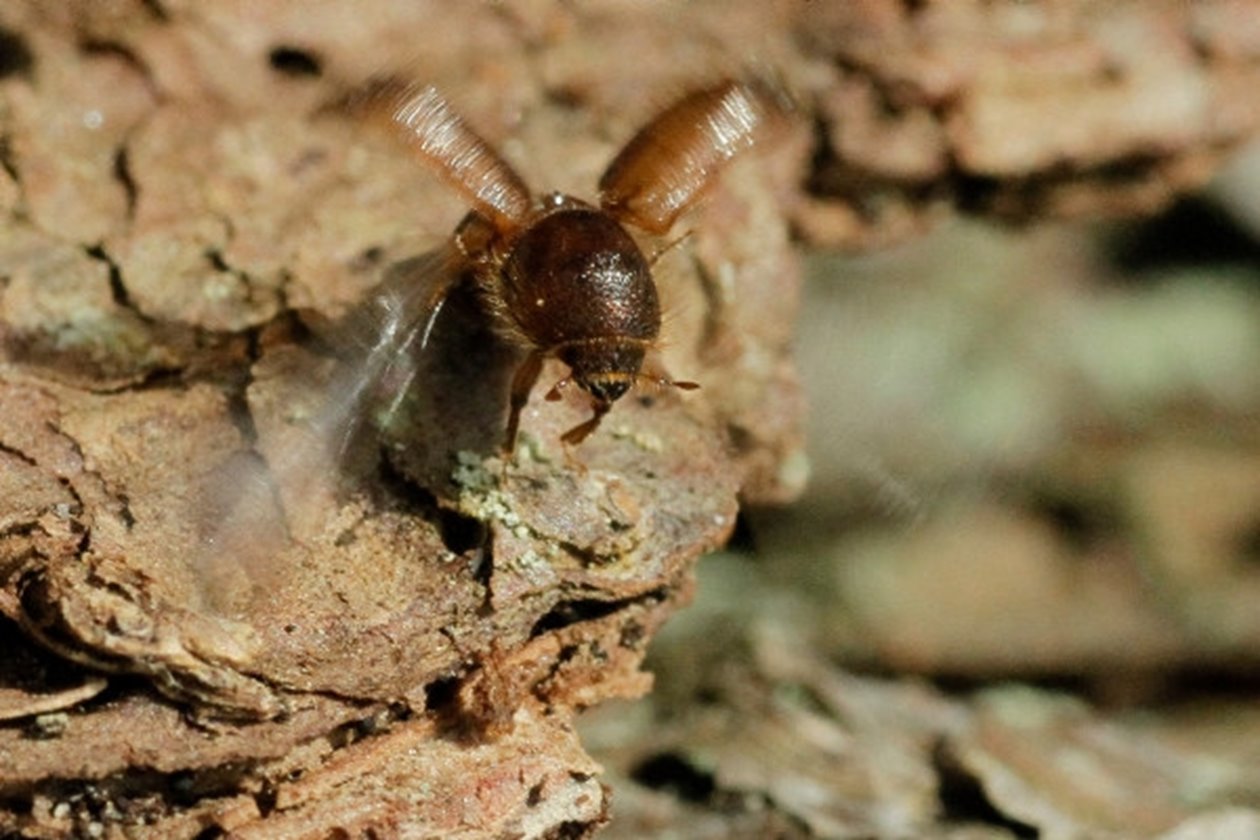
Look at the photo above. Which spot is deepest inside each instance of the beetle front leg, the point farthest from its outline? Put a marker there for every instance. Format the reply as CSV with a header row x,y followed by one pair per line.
x,y
581,431
522,383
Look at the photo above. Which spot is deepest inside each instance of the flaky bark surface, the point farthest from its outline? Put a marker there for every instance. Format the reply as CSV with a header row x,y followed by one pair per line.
x,y
397,640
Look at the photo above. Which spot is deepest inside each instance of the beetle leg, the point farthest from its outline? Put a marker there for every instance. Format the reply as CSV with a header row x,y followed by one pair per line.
x,y
581,431
557,390
522,383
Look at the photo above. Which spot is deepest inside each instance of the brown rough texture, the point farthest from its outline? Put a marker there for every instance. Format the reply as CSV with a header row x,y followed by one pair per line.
x,y
755,736
178,240
209,623
1021,110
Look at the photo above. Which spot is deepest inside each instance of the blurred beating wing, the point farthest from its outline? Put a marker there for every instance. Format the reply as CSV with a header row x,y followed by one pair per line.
x,y
380,339
256,505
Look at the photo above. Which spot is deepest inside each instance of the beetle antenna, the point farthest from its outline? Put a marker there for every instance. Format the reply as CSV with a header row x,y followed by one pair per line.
x,y
661,381
669,246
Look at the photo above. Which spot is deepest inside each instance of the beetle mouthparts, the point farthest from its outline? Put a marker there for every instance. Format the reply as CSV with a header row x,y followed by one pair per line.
x,y
607,387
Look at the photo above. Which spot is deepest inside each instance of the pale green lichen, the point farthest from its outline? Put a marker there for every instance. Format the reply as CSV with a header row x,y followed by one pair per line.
x,y
470,473
533,565
480,495
647,441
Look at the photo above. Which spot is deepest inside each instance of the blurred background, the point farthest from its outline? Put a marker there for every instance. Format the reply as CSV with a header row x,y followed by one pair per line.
x,y
1034,511
1036,452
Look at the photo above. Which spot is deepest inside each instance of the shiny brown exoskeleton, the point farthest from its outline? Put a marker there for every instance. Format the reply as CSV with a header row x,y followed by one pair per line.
x,y
561,277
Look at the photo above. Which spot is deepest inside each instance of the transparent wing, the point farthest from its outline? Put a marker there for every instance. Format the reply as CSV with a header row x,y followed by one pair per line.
x,y
307,411
380,340
676,156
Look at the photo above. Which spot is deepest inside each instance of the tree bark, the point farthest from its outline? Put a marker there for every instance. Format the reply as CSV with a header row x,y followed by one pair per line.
x,y
258,583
